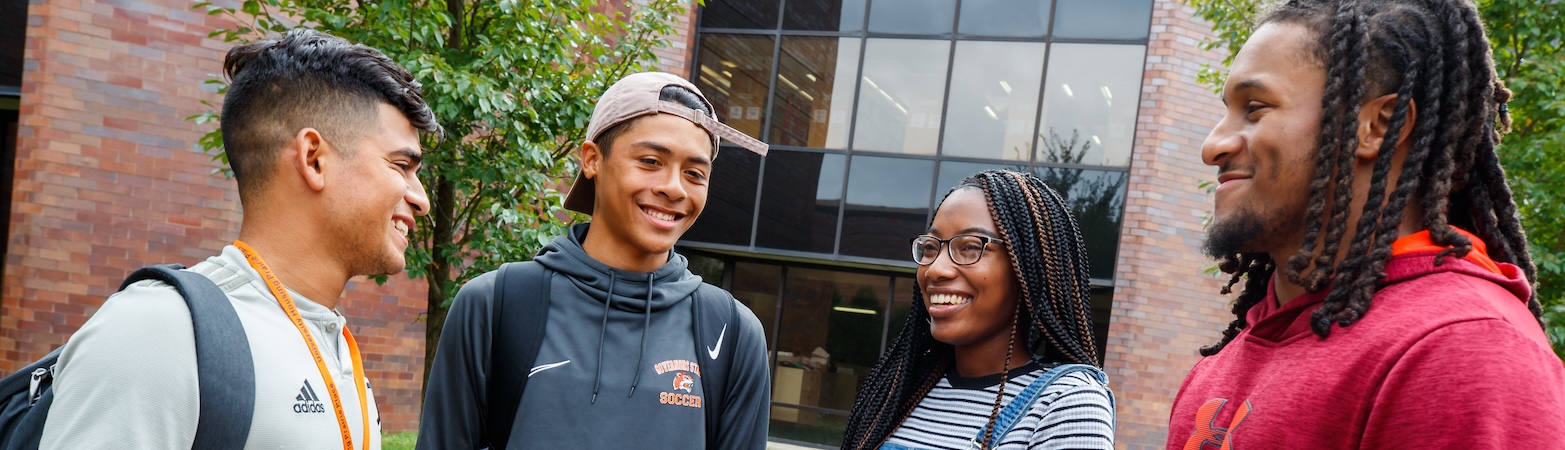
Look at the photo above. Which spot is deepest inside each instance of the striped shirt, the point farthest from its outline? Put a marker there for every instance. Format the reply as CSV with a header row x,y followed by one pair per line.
x,y
1074,412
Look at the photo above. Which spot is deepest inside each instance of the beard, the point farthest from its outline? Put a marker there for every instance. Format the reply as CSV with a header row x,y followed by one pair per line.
x,y
1236,235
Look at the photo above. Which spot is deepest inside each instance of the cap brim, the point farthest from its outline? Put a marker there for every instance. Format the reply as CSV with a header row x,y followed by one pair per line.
x,y
581,197
718,129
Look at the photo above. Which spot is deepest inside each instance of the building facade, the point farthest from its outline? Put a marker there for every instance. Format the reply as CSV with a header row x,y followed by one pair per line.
x,y
874,108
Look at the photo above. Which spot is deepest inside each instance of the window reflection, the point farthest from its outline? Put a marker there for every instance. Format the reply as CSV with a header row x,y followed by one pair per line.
x,y
900,95
800,196
1102,19
932,17
814,96
994,100
1097,198
824,15
748,14
833,339
953,172
1091,99
756,285
888,199
733,75
1010,18
730,201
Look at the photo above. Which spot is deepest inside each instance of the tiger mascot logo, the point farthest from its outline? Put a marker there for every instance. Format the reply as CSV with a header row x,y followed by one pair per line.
x,y
683,382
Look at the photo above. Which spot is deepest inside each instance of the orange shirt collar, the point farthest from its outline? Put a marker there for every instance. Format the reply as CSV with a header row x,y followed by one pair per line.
x,y
1420,242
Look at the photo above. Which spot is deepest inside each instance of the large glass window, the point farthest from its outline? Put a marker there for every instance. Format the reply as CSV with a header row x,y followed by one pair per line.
x,y
749,14
994,100
730,199
734,74
1009,18
757,286
1102,19
1097,198
824,15
835,324
901,94
814,96
1091,101
931,17
953,172
803,192
888,199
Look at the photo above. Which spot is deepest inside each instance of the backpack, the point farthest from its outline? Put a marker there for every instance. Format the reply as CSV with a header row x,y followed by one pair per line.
x,y
517,325
223,363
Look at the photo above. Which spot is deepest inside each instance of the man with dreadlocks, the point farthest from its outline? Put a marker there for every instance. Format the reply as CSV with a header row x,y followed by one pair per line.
x,y
940,384
1388,296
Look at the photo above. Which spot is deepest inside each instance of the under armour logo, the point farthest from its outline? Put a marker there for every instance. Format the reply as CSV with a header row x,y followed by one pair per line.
x,y
1210,436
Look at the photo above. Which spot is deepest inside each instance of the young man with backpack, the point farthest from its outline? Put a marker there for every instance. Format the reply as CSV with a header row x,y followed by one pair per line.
x,y
605,339
323,138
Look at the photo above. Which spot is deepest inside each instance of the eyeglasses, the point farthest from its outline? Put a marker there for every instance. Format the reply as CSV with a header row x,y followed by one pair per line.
x,y
965,249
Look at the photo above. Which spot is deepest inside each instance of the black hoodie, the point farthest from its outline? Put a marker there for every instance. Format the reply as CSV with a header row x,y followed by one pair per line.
x,y
614,371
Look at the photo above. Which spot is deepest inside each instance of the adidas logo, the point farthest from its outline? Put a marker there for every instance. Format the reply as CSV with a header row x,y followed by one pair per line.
x,y
308,401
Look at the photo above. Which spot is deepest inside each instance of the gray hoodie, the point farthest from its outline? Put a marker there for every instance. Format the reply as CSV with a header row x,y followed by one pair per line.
x,y
614,371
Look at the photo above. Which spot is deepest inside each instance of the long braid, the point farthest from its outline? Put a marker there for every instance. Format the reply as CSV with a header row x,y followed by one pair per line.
x,y
1049,262
1435,56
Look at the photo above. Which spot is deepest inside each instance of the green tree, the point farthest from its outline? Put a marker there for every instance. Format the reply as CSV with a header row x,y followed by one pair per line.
x,y
1527,38
512,82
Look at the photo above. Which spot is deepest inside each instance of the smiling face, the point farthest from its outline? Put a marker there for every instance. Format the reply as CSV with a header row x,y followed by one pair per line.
x,y
380,195
649,189
1264,146
971,307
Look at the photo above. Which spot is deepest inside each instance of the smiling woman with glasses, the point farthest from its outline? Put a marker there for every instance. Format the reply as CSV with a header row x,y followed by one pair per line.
x,y
997,350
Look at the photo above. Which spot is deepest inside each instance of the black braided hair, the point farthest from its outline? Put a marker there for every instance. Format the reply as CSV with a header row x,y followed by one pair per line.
x,y
1049,262
1435,56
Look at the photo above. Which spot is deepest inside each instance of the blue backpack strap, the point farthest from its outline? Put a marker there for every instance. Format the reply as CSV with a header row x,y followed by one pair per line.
x,y
1014,411
224,366
517,323
714,312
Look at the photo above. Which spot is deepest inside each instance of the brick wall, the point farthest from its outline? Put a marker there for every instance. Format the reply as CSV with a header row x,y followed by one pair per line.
x,y
1164,308
108,179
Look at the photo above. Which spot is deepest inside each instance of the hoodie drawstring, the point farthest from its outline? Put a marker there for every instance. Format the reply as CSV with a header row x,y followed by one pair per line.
x,y
647,315
597,379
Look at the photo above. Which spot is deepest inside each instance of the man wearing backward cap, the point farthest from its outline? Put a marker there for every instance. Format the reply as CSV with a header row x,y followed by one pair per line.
x,y
627,358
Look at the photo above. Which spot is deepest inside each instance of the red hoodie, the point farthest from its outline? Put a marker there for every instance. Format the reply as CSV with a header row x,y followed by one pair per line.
x,y
1447,357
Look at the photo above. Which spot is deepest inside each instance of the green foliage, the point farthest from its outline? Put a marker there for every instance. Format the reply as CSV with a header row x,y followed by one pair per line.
x,y
405,440
1527,37
513,84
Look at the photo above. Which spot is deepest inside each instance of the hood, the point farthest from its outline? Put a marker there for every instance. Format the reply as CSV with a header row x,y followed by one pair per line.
x,y
663,288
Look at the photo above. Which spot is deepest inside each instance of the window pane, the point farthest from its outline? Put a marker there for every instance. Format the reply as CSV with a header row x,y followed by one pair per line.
x,y
888,199
901,94
994,100
756,285
734,74
1014,18
799,199
710,269
901,304
1102,19
1097,198
953,172
824,15
814,101
832,339
932,17
748,14
1091,101
730,201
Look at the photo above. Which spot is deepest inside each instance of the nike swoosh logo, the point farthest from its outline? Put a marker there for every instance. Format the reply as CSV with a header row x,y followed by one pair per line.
x,y
544,367
719,348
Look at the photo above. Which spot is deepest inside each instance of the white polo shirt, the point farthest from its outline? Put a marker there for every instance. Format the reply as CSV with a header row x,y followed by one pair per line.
x,y
127,378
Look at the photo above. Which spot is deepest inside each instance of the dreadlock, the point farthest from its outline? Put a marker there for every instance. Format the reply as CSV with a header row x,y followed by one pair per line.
x,y
1432,53
1049,261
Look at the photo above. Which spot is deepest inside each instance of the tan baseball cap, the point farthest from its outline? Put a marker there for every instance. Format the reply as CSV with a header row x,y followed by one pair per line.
x,y
636,95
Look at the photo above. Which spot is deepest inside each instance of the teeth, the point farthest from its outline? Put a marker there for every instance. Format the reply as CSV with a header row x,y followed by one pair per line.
x,y
401,227
948,299
659,215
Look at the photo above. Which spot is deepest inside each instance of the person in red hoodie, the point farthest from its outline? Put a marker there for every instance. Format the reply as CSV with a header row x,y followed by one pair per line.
x,y
1387,298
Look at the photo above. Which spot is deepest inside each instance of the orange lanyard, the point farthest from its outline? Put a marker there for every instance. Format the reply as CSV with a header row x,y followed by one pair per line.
x,y
286,302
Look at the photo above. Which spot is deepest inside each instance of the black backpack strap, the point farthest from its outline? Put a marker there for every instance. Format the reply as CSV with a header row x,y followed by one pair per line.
x,y
711,306
224,365
517,335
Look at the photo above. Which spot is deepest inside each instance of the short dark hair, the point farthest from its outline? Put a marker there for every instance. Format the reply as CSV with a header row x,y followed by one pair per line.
x,y
307,78
670,93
